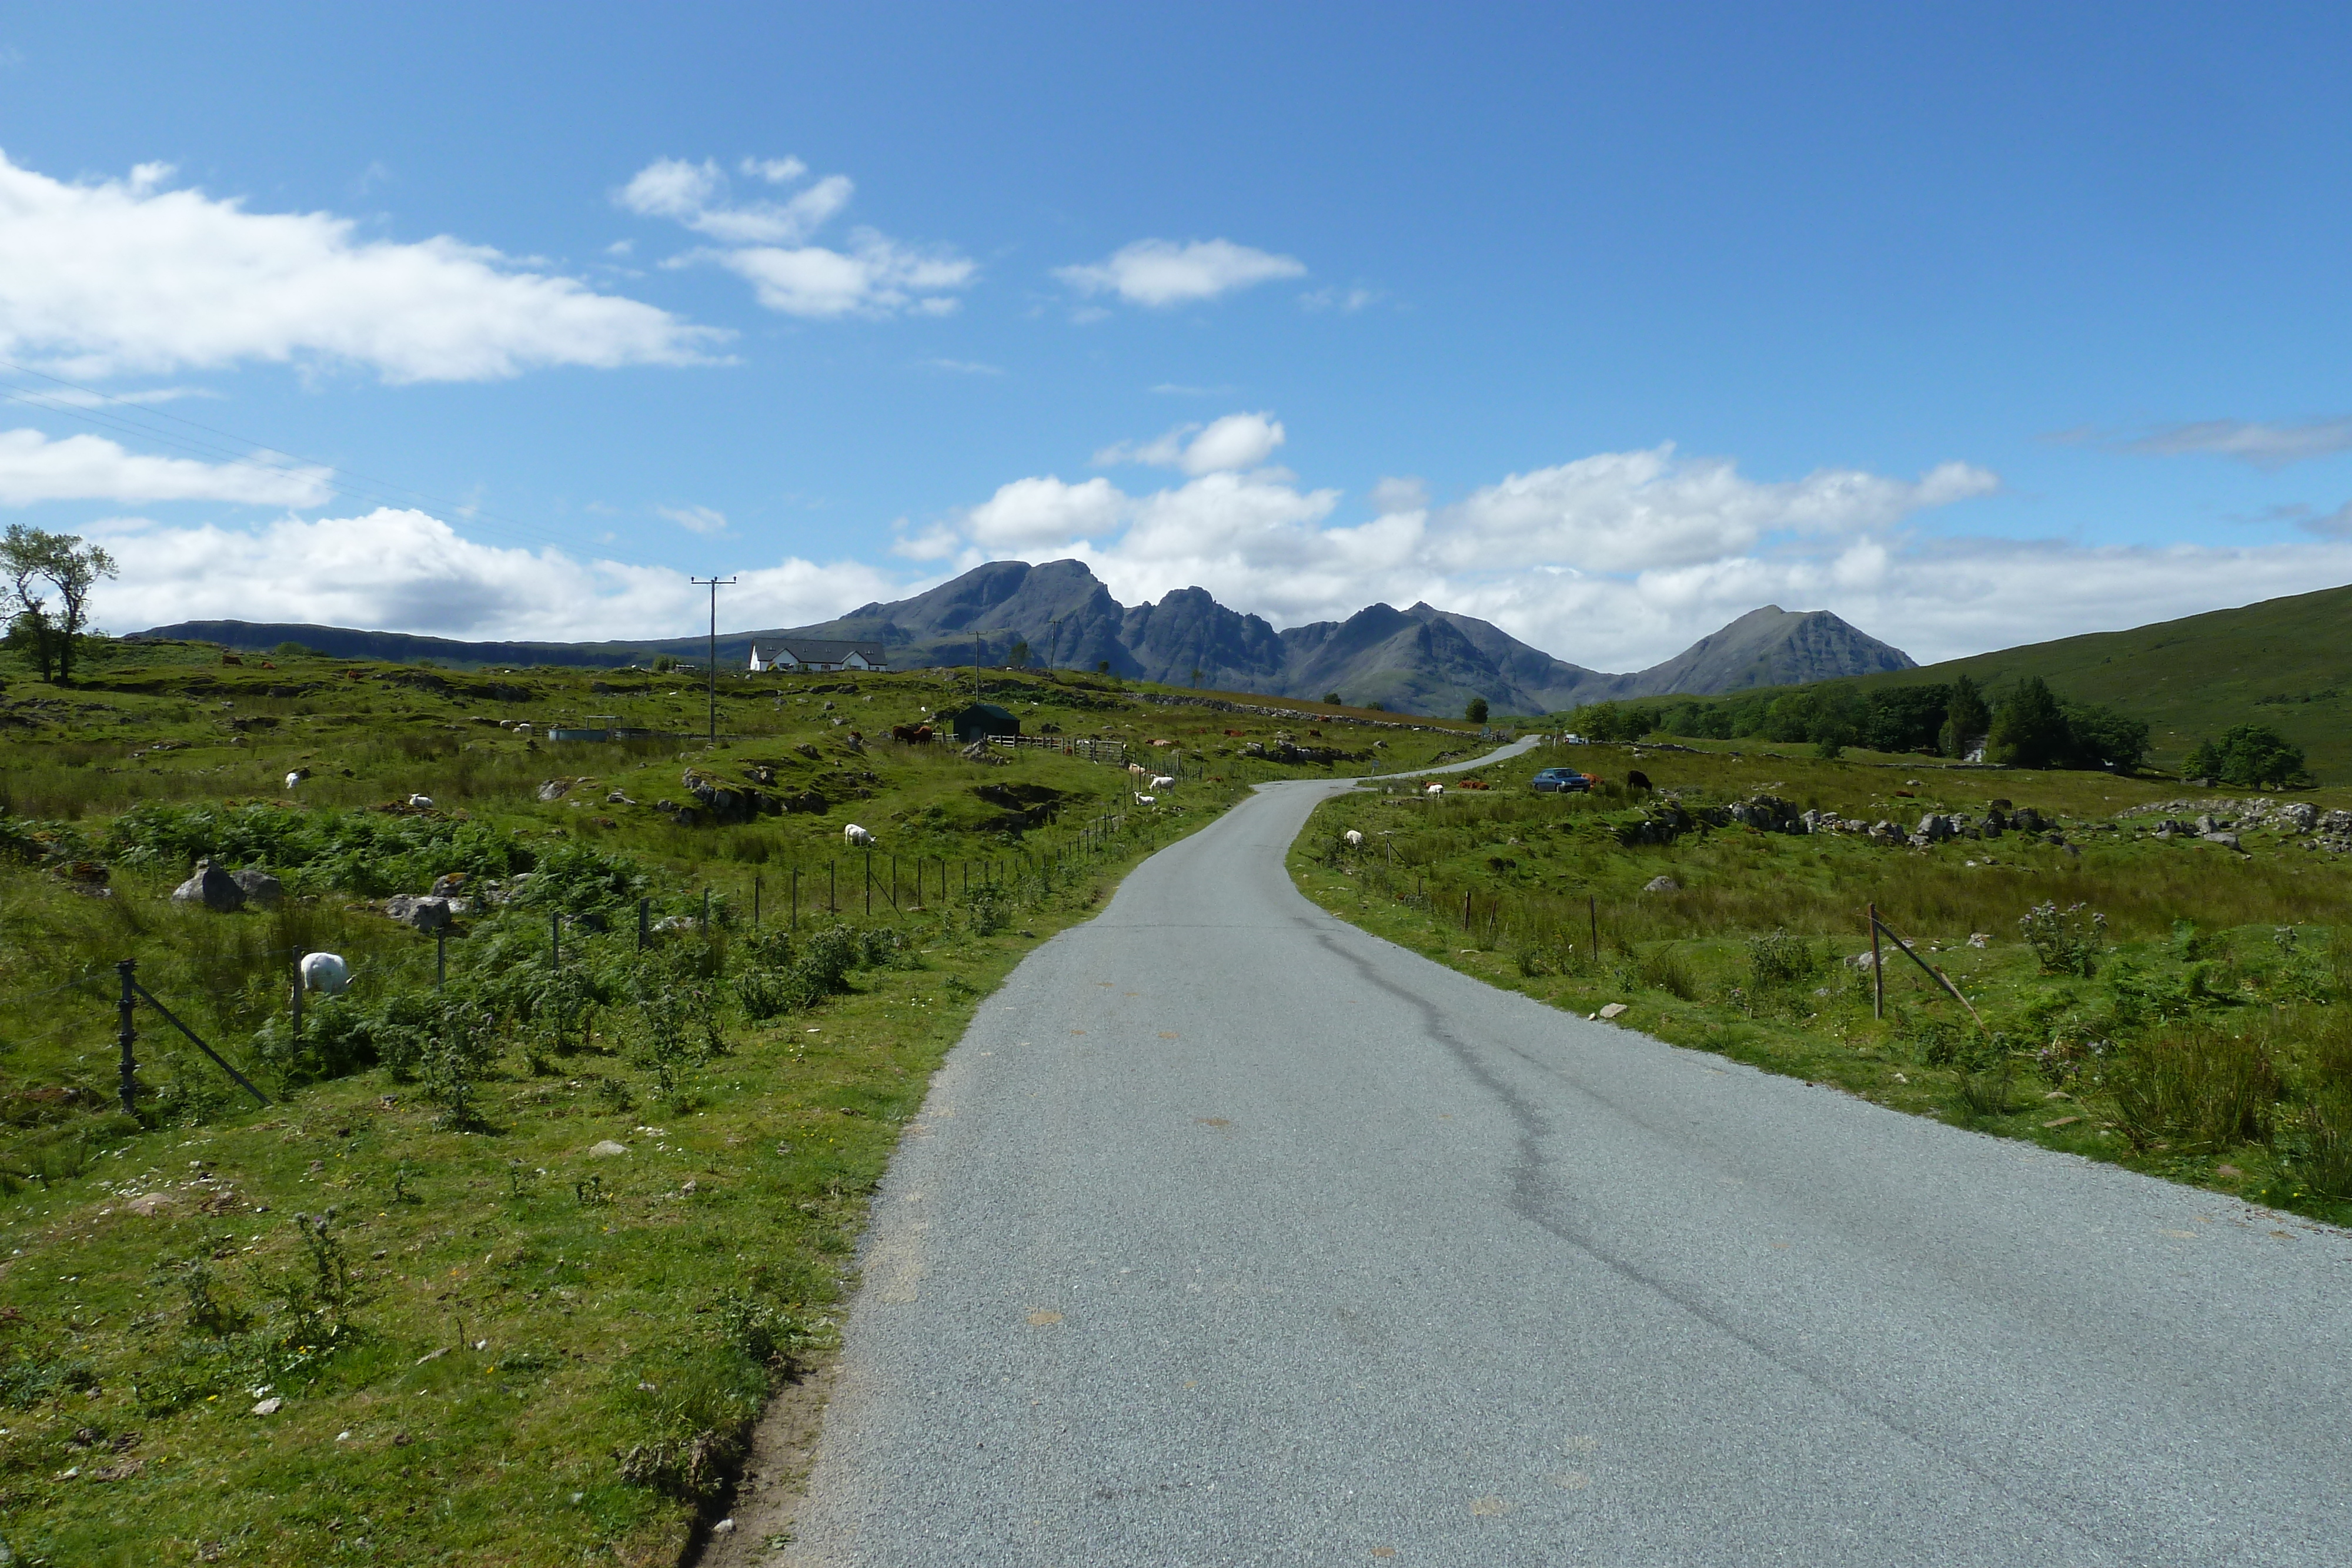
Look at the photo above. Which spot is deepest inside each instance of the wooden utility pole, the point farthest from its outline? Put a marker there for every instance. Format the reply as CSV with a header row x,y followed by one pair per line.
x,y
714,584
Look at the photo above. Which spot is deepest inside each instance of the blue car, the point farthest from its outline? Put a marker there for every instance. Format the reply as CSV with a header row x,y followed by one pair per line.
x,y
1555,780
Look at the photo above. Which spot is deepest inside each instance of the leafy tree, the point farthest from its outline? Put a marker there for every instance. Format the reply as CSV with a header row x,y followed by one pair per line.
x,y
1333,698
2105,739
1475,710
1019,656
2250,754
2030,731
29,635
1967,721
37,564
1836,721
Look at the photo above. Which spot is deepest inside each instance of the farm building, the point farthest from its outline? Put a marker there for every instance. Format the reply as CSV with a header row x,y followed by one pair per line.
x,y
980,721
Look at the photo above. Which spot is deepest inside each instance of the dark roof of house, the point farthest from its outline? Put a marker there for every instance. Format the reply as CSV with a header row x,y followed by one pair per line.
x,y
821,650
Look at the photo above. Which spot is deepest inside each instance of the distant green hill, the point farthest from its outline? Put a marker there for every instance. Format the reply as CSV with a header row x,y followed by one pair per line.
x,y
2284,663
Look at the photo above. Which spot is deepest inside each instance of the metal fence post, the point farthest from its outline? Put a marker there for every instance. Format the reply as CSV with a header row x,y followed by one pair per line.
x,y
126,1009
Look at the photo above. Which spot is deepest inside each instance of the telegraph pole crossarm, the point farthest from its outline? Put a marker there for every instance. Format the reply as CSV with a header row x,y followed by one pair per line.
x,y
714,584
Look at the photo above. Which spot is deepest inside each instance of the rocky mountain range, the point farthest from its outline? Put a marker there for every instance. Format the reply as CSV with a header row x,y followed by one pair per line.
x,y
1417,659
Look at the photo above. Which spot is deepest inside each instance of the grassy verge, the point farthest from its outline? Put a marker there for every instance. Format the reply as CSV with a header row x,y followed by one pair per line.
x,y
509,1265
2169,1004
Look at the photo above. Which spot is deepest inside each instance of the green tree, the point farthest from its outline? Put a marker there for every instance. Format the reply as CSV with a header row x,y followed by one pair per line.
x,y
1475,710
2030,731
1836,722
1967,720
1019,656
1332,698
37,564
2250,754
2105,739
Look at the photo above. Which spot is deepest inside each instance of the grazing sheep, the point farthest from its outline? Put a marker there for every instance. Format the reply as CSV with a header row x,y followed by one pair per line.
x,y
1434,790
1160,781
326,973
1352,839
1138,769
1144,800
857,837
297,777
422,802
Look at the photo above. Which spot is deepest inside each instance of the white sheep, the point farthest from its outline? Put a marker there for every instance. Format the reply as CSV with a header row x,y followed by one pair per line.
x,y
1160,781
422,802
325,972
295,778
1144,800
1434,790
1138,769
1352,839
857,837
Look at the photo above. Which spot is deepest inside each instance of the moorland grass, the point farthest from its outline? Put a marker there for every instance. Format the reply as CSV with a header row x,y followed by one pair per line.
x,y
487,1343
2210,1040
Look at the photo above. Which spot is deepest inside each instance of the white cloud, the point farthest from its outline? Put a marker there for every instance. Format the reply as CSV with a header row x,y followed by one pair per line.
x,y
1160,273
1347,301
876,276
763,242
1029,514
695,519
965,367
34,469
1237,441
123,275
2268,446
407,571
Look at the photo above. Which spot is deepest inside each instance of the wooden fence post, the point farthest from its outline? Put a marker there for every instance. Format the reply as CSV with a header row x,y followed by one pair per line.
x,y
126,1014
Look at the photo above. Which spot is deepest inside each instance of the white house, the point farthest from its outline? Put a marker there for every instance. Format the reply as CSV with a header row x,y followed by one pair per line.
x,y
812,655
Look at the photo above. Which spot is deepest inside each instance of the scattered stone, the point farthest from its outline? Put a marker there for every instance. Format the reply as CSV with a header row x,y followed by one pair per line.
x,y
1662,884
2228,1172
554,789
452,884
261,889
212,887
268,1407
148,1205
1611,1010
2227,841
1980,939
2061,1122
427,913
606,1150
429,1355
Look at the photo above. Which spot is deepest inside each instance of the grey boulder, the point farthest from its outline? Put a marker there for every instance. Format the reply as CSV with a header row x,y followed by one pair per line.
x,y
261,889
427,913
212,887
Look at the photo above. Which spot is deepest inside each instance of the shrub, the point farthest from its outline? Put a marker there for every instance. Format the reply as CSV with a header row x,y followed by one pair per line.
x,y
1475,710
1781,959
2068,941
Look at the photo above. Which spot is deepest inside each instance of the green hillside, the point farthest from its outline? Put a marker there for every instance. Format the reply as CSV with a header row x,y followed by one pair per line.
x,y
2286,663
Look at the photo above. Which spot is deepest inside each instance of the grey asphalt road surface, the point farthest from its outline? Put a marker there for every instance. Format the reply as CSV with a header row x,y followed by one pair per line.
x,y
1230,1234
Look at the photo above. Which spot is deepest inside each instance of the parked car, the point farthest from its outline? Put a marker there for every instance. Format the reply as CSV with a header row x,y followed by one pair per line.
x,y
1563,781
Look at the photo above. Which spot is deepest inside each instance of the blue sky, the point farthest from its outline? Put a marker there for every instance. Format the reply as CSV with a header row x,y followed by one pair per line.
x,y
1609,324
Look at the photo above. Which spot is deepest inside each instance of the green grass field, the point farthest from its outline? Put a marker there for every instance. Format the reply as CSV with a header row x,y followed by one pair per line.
x,y
2198,1030
405,1313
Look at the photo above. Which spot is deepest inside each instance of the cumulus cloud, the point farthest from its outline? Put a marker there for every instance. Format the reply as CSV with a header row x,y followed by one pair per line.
x,y
764,240
1161,273
1237,441
405,571
126,276
2267,447
34,469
